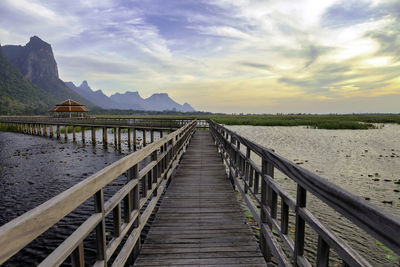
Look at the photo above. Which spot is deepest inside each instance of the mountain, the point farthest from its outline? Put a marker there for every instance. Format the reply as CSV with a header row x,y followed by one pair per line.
x,y
129,100
17,94
36,62
97,97
164,102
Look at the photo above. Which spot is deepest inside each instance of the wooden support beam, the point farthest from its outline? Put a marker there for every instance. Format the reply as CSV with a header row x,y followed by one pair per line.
x,y
144,138
101,227
58,131
78,257
115,138
93,136
119,138
66,132
73,133
105,137
134,140
129,138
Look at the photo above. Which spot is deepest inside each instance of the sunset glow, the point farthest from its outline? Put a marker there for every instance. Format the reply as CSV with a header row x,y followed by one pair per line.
x,y
227,55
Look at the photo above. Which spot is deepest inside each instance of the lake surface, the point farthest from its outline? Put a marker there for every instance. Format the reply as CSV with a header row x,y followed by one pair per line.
x,y
33,169
364,162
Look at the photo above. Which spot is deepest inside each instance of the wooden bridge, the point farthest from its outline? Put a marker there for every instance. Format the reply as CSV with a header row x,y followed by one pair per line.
x,y
200,220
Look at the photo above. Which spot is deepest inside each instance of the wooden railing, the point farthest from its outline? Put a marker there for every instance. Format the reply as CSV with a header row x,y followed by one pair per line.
x,y
119,122
152,179
247,176
172,123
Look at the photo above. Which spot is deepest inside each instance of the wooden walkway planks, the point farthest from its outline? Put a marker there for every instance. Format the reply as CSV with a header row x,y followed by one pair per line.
x,y
200,221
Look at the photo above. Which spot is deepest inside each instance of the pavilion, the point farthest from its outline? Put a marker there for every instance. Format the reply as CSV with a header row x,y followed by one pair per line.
x,y
69,109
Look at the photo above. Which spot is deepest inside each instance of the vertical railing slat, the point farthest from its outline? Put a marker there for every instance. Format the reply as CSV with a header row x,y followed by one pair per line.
x,y
78,256
322,253
101,227
300,224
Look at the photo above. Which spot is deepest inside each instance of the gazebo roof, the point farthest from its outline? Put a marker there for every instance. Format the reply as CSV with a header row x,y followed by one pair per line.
x,y
69,106
69,102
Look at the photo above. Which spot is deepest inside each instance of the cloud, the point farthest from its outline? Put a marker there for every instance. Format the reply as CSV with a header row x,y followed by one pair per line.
x,y
223,55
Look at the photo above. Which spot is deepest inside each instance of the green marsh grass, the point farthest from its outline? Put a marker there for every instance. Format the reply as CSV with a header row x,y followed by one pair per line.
x,y
349,121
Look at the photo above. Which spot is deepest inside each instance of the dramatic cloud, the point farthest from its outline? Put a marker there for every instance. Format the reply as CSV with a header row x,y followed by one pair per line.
x,y
224,55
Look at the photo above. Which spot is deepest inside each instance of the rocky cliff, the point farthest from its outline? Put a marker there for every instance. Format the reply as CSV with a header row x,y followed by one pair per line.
x,y
36,62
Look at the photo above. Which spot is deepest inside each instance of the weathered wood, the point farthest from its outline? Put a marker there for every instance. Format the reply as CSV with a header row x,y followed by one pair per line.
x,y
71,243
115,137
144,138
17,233
101,227
51,131
73,133
58,131
377,222
83,135
93,136
78,257
129,138
105,137
134,140
119,138
199,209
66,132
322,253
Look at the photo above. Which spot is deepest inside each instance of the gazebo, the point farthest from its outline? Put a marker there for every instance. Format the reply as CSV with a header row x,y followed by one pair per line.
x,y
69,109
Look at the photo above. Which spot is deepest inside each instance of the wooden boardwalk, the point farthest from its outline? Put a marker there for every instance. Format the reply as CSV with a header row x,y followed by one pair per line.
x,y
200,221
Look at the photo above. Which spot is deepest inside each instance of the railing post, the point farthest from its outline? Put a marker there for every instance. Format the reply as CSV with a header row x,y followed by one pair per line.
x,y
246,171
93,135
129,139
83,135
134,139
144,138
264,203
322,253
154,157
74,133
105,137
77,257
58,131
119,139
115,138
101,227
300,224
66,132
136,206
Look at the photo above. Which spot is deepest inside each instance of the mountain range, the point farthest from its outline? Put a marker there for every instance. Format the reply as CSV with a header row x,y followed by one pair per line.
x,y
129,100
29,83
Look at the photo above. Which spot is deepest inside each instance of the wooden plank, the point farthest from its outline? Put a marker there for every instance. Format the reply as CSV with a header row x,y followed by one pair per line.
x,y
200,220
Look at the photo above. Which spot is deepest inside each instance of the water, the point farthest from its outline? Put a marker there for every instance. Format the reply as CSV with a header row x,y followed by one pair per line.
x,y
33,169
364,162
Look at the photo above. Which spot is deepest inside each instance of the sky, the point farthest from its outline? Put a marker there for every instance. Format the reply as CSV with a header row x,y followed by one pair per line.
x,y
232,56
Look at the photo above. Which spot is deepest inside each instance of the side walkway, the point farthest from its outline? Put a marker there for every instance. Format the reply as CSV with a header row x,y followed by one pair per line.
x,y
200,221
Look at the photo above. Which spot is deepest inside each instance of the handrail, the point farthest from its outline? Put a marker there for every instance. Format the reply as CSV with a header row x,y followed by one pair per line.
x,y
164,153
380,224
110,122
